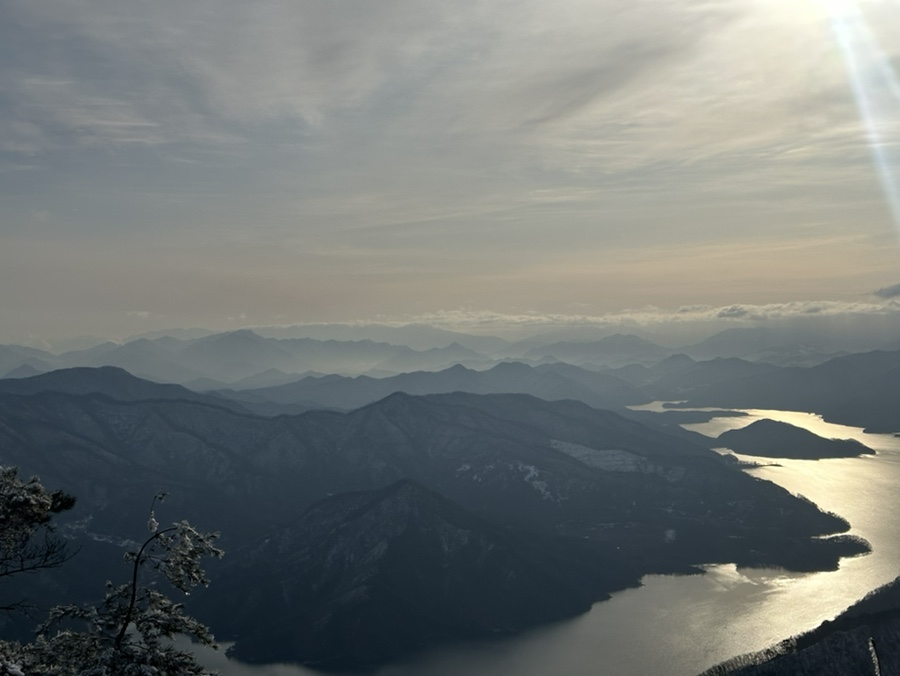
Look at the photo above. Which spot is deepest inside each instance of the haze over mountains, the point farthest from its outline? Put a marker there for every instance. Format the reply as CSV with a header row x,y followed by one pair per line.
x,y
476,494
266,356
629,498
460,290
287,375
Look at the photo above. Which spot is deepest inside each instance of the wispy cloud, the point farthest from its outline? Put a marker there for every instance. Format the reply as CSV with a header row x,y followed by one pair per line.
x,y
344,159
652,317
610,84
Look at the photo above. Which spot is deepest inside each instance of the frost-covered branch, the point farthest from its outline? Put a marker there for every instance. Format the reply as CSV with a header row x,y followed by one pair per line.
x,y
27,539
131,631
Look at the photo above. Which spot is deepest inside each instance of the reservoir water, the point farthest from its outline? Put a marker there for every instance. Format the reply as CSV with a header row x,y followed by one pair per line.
x,y
681,625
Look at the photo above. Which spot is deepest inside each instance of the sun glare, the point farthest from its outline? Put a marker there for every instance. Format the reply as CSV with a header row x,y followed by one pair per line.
x,y
876,90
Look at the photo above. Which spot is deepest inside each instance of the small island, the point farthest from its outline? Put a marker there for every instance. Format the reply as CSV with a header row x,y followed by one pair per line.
x,y
694,417
773,439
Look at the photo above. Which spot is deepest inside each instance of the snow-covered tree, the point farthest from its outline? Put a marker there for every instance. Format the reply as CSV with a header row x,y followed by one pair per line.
x,y
131,631
28,542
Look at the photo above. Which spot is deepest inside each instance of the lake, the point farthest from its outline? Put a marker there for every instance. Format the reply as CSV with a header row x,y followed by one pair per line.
x,y
681,625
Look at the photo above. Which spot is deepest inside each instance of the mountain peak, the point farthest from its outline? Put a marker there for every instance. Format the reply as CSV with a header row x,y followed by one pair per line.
x,y
80,376
511,367
625,339
241,335
111,381
23,371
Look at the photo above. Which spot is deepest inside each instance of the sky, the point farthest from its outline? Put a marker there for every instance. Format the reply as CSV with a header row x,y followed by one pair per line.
x,y
230,163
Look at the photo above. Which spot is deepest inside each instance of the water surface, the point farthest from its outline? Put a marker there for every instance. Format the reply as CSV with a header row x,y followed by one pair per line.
x,y
681,625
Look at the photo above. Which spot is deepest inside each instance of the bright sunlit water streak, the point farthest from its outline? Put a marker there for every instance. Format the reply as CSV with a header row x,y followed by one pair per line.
x,y
680,625
864,59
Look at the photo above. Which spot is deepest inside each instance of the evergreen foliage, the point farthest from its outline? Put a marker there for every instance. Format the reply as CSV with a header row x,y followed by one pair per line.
x,y
130,632
28,542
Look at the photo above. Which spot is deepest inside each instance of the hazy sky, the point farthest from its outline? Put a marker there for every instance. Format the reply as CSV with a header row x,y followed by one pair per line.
x,y
219,163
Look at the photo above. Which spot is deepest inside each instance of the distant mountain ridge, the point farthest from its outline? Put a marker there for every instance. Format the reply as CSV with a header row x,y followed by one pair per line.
x,y
857,389
419,337
238,355
220,358
862,390
547,381
611,351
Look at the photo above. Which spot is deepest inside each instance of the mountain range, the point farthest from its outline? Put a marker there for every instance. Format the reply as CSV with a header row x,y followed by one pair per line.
x,y
443,480
857,389
273,355
223,358
546,381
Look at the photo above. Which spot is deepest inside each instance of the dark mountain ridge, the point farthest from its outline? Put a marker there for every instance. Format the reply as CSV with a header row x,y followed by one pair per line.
x,y
550,381
610,351
858,389
111,381
363,578
462,445
650,502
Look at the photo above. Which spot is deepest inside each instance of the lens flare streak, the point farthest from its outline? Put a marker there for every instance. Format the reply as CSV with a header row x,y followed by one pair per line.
x,y
876,90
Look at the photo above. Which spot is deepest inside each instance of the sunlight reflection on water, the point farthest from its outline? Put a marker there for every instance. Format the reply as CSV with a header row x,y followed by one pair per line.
x,y
680,625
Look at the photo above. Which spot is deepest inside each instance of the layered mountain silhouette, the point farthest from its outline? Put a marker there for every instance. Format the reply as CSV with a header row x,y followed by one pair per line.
x,y
611,351
678,376
631,499
419,337
858,389
13,357
547,381
24,371
209,360
228,358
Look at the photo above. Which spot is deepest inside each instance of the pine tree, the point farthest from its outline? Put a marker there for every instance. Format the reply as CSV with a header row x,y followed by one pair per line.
x,y
130,632
28,542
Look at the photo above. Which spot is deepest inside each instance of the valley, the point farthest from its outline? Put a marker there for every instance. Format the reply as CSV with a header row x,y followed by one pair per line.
x,y
581,501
